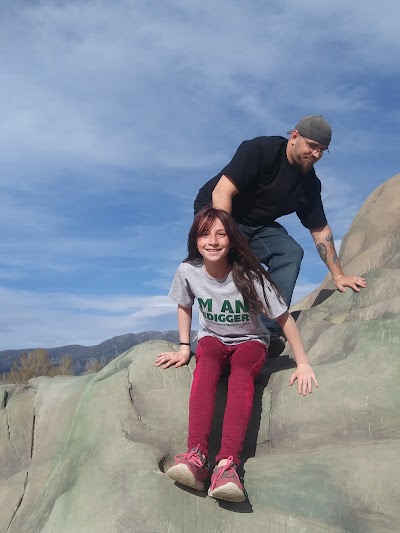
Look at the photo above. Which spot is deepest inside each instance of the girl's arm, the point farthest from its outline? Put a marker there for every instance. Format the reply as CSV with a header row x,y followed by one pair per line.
x,y
166,359
303,373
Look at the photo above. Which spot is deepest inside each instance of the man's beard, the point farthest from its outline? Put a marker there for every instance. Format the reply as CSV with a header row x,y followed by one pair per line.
x,y
305,165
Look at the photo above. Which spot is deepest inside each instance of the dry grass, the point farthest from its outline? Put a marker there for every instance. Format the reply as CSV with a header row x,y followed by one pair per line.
x,y
37,363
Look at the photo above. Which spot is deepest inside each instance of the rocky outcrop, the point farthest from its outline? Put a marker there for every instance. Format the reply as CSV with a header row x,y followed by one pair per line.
x,y
372,241
87,454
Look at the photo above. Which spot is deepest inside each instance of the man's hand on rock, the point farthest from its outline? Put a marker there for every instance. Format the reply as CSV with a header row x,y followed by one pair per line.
x,y
354,282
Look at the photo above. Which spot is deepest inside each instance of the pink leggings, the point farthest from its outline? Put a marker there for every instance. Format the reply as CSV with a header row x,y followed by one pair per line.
x,y
212,356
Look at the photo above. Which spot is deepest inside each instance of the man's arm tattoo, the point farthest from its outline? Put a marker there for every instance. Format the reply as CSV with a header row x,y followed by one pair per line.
x,y
329,238
323,251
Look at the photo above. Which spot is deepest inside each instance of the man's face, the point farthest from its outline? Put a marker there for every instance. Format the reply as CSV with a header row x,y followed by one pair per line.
x,y
304,152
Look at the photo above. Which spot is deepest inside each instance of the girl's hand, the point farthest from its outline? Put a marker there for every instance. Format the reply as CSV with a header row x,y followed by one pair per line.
x,y
305,376
167,359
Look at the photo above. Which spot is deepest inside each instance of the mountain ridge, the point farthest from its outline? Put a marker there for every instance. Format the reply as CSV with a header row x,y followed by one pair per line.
x,y
109,349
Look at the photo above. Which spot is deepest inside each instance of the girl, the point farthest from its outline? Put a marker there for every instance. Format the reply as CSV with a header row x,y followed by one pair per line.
x,y
232,288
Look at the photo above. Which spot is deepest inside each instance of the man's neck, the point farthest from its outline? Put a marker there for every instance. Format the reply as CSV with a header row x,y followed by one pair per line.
x,y
289,154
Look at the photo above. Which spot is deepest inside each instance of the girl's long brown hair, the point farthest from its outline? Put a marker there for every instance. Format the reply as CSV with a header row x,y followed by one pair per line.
x,y
246,267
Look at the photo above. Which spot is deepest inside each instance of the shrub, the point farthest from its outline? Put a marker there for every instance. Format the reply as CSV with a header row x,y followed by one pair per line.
x,y
93,365
37,363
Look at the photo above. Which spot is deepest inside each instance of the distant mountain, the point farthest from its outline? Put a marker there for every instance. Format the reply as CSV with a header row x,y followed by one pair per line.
x,y
108,349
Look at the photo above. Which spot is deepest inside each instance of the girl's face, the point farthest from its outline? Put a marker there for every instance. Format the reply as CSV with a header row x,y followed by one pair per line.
x,y
213,244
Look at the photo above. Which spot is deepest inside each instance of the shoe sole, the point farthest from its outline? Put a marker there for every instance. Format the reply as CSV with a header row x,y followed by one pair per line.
x,y
182,474
228,492
276,347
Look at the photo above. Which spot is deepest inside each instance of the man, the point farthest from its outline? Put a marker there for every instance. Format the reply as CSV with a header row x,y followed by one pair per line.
x,y
267,178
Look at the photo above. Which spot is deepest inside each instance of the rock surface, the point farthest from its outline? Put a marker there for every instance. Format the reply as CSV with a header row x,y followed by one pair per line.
x,y
373,239
87,454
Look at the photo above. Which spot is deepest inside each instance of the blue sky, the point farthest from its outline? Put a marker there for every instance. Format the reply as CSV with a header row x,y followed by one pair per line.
x,y
114,114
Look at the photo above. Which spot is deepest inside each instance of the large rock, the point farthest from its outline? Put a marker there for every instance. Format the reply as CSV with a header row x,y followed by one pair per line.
x,y
372,241
87,454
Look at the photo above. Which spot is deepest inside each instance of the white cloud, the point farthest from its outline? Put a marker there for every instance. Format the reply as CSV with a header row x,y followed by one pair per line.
x,y
48,319
83,63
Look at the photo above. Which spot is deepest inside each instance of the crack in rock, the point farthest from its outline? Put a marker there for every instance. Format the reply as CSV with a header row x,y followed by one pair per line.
x,y
5,400
19,502
130,389
144,432
33,433
9,437
27,473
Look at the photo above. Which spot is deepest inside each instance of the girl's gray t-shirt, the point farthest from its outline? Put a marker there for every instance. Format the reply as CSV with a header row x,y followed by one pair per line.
x,y
222,312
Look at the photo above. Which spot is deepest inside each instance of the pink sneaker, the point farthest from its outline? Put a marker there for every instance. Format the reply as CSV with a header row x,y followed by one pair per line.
x,y
190,469
225,483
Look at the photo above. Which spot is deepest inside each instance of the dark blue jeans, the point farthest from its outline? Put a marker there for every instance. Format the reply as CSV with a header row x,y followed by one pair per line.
x,y
282,256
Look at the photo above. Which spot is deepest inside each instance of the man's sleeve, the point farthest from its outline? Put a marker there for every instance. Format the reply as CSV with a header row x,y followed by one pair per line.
x,y
243,169
311,210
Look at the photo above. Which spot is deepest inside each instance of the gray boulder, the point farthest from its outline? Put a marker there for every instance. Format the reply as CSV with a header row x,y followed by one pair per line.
x,y
87,454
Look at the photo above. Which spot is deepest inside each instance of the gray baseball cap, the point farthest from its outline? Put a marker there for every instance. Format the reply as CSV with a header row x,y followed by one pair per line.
x,y
314,127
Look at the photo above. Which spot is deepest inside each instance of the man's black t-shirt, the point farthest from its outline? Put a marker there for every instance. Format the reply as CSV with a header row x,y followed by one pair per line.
x,y
269,186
